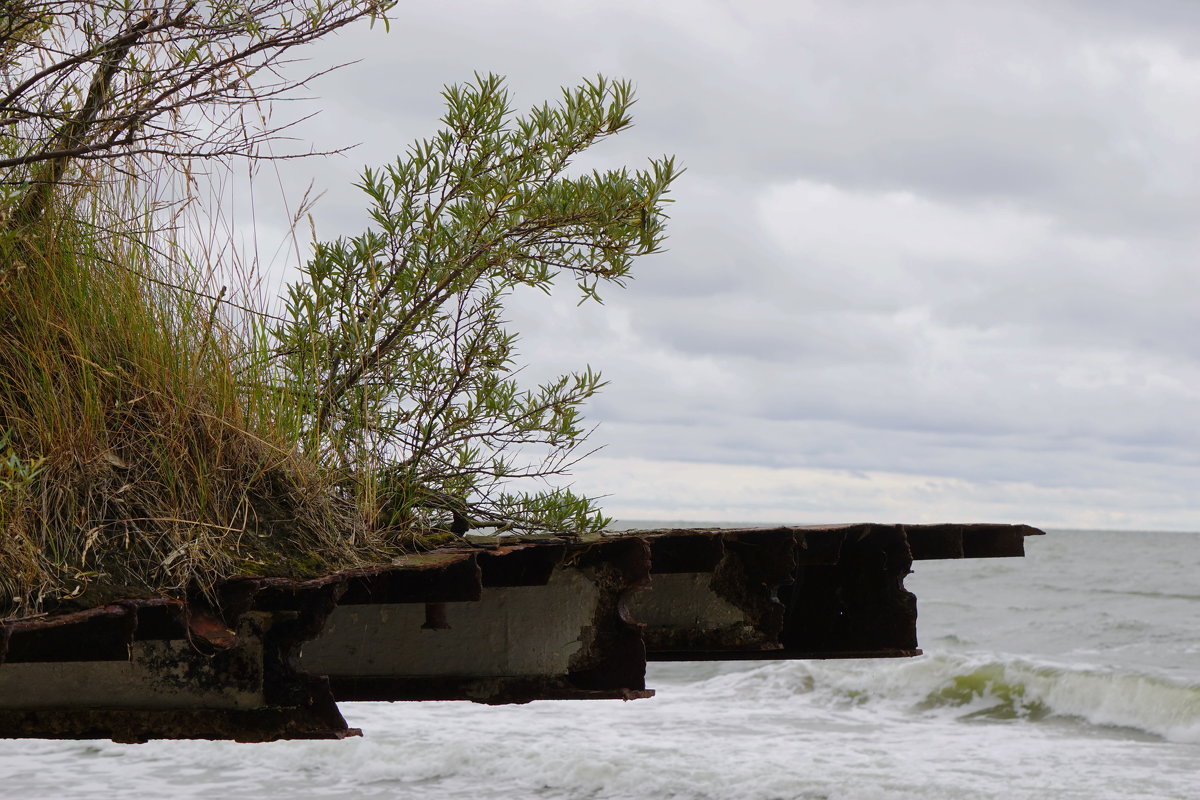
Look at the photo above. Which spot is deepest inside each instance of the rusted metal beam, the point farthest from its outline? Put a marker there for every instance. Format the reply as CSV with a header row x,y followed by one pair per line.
x,y
968,541
855,606
832,591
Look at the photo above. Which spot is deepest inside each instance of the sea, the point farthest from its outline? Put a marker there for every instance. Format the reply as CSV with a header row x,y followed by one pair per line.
x,y
1071,673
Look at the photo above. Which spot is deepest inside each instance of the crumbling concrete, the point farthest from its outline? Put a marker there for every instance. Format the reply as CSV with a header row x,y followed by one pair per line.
x,y
494,622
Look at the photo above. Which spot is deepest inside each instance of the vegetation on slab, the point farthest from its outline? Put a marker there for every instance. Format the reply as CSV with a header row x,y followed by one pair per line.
x,y
155,436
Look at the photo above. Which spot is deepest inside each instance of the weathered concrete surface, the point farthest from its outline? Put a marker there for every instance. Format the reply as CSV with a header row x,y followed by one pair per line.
x,y
548,624
156,675
162,669
498,622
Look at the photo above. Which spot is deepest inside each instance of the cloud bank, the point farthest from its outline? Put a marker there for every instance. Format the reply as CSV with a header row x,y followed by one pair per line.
x,y
930,260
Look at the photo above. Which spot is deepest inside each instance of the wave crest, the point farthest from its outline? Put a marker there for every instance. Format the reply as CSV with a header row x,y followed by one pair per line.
x,y
1010,689
979,686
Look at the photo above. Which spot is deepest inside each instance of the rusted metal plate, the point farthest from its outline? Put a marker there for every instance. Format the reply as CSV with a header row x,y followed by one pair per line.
x,y
968,541
441,578
98,634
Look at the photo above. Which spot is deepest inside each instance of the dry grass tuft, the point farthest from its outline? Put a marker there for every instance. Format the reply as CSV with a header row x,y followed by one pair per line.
x,y
140,451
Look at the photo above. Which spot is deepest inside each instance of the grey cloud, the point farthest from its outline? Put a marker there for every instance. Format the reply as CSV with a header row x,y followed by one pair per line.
x,y
933,238
958,100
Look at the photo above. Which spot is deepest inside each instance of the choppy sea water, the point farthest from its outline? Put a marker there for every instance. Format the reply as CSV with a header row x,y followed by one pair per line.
x,y
1072,673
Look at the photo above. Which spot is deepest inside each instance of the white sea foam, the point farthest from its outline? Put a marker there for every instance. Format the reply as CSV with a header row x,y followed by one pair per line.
x,y
1083,694
942,727
974,686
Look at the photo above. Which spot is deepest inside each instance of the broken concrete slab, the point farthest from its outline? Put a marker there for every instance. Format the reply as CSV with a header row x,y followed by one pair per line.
x,y
498,622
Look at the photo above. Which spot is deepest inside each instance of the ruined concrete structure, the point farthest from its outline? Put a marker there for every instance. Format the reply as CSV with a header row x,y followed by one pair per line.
x,y
498,622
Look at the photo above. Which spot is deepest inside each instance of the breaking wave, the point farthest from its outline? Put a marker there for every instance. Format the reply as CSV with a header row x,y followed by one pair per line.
x,y
985,687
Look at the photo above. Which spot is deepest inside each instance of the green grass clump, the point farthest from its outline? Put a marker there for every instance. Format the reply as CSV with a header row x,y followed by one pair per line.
x,y
157,437
140,450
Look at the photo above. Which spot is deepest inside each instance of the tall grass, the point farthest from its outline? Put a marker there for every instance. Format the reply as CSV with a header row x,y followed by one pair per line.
x,y
143,444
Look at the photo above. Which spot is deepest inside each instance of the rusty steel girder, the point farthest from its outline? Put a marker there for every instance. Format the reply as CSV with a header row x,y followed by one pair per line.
x,y
833,591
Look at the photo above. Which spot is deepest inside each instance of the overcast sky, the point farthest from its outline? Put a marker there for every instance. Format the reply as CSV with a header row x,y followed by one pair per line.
x,y
930,261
